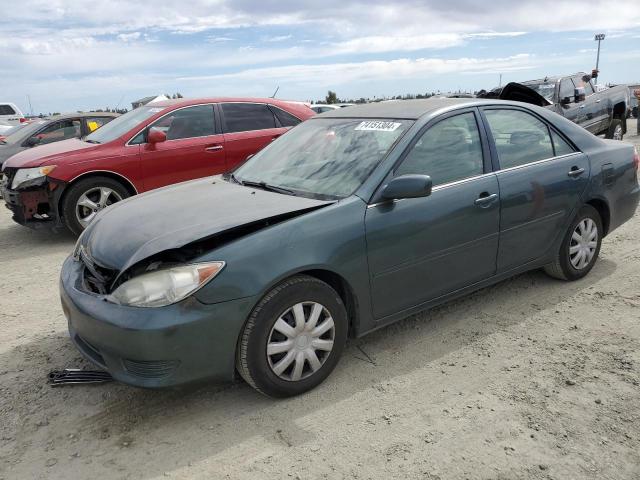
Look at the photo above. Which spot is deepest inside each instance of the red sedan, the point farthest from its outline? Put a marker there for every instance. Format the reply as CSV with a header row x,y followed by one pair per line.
x,y
67,183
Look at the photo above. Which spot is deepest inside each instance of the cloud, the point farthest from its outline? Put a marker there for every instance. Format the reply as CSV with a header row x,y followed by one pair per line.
x,y
341,73
129,37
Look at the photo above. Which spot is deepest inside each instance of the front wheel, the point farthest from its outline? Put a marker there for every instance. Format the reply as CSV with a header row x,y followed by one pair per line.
x,y
293,338
616,131
86,198
580,247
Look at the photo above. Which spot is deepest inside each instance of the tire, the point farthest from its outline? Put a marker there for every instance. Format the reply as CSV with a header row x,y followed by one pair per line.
x,y
616,130
563,267
92,188
261,369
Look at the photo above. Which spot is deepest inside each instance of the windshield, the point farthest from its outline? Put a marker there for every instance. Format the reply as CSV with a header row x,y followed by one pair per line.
x,y
328,157
542,88
121,125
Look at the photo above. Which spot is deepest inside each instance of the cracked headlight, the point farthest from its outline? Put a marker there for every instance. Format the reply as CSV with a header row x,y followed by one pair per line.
x,y
26,176
166,286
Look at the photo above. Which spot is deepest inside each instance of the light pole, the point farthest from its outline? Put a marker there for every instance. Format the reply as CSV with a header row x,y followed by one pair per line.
x,y
598,38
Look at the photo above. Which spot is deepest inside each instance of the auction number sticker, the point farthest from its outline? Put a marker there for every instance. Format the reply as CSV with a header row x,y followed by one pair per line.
x,y
378,126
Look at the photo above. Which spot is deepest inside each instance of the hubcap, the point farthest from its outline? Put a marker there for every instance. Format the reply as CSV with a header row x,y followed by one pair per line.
x,y
300,341
94,200
617,133
584,242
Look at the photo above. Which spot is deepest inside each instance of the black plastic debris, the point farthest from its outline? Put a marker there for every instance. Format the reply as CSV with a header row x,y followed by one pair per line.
x,y
71,376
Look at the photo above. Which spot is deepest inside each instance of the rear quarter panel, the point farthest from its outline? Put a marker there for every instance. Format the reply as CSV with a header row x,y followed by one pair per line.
x,y
614,180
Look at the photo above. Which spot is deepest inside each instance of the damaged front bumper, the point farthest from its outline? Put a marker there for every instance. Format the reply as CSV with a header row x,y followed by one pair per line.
x,y
153,347
35,206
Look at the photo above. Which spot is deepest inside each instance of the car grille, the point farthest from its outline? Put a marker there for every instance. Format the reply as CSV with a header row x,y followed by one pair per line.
x,y
97,279
150,369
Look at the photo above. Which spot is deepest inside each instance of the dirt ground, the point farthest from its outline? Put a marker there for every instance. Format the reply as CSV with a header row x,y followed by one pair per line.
x,y
532,378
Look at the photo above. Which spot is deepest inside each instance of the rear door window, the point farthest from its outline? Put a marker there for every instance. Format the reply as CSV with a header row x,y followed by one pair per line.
x,y
246,117
449,151
520,138
560,145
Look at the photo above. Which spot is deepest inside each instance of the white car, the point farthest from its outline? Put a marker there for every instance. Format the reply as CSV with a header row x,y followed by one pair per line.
x,y
322,107
10,114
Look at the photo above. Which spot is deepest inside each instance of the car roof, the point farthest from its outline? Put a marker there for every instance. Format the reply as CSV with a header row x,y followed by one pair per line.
x,y
408,109
196,101
79,115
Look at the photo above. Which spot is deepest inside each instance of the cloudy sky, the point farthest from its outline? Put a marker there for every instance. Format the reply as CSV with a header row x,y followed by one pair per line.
x,y
70,55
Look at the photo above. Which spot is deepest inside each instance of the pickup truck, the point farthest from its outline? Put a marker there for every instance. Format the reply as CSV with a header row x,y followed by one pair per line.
x,y
575,98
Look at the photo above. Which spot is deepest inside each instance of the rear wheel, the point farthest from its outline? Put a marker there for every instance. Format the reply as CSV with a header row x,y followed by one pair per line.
x,y
616,130
86,198
580,247
294,337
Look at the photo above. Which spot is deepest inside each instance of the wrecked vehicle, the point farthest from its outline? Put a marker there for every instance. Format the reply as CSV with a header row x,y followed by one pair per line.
x,y
65,184
356,218
53,129
575,98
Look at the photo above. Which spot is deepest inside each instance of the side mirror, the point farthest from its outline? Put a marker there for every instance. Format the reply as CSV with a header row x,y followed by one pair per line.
x,y
579,94
565,101
156,136
408,186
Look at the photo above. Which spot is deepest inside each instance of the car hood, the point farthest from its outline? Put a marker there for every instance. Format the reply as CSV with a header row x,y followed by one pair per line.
x,y
55,152
517,92
176,216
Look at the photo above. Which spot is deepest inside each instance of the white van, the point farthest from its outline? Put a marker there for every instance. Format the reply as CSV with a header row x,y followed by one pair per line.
x,y
10,114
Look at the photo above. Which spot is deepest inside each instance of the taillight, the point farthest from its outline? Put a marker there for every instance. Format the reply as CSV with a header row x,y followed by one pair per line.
x,y
22,120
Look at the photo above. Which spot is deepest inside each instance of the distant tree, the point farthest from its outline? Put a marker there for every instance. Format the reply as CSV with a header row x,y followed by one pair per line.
x,y
331,97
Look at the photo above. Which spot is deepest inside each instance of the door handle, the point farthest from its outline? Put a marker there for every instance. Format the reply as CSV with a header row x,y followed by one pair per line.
x,y
575,172
581,106
486,199
214,148
598,101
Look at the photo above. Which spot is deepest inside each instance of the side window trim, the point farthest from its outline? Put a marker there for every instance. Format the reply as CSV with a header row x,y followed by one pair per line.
x,y
144,129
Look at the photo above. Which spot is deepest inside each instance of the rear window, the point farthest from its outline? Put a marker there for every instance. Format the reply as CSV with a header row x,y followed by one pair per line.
x,y
245,117
7,110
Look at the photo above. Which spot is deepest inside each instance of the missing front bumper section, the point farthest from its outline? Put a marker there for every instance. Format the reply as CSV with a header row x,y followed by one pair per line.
x,y
70,376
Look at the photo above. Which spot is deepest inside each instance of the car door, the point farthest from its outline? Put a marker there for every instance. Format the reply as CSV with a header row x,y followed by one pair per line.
x,y
541,178
591,111
193,147
571,109
248,127
422,248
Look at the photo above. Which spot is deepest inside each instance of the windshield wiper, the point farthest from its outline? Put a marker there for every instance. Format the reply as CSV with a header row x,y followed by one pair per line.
x,y
91,141
264,186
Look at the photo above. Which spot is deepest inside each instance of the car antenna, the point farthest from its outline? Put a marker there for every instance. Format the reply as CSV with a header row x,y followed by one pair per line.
x,y
274,93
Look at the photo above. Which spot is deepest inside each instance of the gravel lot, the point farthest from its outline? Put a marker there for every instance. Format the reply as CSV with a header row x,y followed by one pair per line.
x,y
531,378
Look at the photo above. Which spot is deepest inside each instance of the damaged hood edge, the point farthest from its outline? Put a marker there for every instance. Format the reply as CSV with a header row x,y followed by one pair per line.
x,y
175,217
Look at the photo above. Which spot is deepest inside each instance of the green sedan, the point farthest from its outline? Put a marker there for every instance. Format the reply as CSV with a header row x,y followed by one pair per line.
x,y
353,220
